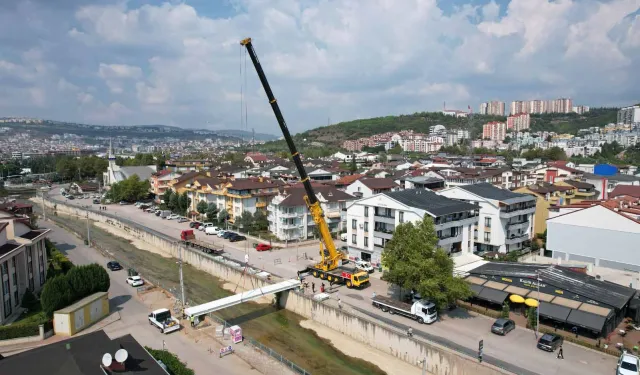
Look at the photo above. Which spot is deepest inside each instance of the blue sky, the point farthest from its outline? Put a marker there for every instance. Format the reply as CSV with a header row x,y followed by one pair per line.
x,y
178,62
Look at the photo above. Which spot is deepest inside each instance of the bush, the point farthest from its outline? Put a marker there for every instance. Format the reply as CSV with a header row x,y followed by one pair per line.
x,y
78,283
505,311
173,363
28,300
532,317
19,330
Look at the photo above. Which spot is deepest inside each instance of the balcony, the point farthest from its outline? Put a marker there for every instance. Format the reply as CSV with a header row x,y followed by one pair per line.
x,y
450,239
515,238
332,214
261,204
383,233
290,226
290,214
388,219
507,214
523,224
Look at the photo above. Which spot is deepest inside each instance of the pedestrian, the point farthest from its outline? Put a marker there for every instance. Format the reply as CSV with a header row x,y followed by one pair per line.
x,y
560,353
192,320
373,295
339,304
338,295
410,332
313,287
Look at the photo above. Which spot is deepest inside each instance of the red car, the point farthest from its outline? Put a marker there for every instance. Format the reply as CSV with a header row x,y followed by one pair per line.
x,y
263,247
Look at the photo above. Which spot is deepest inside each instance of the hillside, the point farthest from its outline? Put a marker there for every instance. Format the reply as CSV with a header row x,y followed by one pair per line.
x,y
247,134
332,136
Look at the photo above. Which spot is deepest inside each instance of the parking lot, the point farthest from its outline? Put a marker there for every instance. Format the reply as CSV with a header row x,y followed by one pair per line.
x,y
457,329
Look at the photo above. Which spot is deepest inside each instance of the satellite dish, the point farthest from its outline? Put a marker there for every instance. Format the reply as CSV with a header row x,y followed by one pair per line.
x,y
121,355
106,360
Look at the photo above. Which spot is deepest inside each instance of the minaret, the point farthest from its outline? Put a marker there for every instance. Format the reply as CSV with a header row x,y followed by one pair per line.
x,y
112,156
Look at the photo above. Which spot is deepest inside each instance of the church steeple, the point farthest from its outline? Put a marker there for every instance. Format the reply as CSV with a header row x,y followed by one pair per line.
x,y
112,155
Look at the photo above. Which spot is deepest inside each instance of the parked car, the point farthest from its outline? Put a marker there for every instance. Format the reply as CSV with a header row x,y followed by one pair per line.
x,y
503,326
157,212
228,234
343,237
550,342
221,233
114,266
263,247
96,201
204,226
71,197
122,203
212,229
182,219
237,238
364,266
135,280
173,216
628,364
192,224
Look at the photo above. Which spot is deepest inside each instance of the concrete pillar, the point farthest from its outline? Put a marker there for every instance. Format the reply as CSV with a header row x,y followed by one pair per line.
x,y
41,331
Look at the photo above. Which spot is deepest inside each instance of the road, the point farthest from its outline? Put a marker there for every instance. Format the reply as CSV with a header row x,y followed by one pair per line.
x,y
134,313
458,329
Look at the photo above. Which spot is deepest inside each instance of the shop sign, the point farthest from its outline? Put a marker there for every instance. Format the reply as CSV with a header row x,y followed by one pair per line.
x,y
507,280
559,291
532,283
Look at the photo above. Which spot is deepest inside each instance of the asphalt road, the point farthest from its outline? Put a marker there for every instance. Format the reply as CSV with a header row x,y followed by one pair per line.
x,y
458,330
134,313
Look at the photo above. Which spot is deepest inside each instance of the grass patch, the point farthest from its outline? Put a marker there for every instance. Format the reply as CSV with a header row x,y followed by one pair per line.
x,y
34,315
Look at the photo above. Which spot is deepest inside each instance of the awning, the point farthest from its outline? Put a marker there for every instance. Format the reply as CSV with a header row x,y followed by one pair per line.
x,y
476,289
495,285
493,295
598,310
555,312
531,302
572,304
516,298
475,280
517,290
586,320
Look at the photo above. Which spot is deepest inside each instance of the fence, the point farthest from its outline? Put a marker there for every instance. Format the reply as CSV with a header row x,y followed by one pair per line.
x,y
176,292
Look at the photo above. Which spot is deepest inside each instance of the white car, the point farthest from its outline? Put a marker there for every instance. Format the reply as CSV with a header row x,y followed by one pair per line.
x,y
135,280
211,230
343,237
204,226
364,266
221,233
173,216
628,365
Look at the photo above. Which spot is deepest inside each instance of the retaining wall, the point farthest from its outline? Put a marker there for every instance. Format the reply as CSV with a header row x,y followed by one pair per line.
x,y
440,360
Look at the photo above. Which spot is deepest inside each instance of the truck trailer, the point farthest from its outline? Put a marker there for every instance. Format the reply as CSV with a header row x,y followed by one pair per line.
x,y
422,311
188,238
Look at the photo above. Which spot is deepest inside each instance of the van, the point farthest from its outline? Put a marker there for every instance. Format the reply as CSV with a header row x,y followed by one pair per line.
x,y
343,237
211,230
165,214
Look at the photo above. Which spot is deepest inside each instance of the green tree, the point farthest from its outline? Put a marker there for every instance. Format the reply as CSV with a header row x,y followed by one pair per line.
x,y
260,221
415,262
396,150
505,311
184,202
166,197
245,221
353,167
212,213
28,300
223,216
173,203
532,317
202,207
130,190
382,157
56,294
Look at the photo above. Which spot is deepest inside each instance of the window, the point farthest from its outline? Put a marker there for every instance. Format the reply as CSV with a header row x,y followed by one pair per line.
x,y
354,224
487,237
487,222
366,226
354,239
401,217
366,212
366,241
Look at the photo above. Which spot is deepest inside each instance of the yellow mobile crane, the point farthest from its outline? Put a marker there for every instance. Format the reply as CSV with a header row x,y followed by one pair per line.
x,y
330,267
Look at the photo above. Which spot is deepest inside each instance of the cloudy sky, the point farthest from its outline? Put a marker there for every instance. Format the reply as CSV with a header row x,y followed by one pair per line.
x,y
179,62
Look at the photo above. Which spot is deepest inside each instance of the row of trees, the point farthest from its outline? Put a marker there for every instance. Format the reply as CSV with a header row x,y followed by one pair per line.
x,y
77,169
130,190
158,160
79,282
177,203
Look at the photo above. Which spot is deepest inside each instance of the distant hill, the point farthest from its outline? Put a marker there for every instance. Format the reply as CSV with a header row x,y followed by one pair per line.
x,y
334,135
49,127
247,134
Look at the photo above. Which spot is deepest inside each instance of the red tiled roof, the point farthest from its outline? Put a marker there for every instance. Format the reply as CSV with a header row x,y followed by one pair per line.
x,y
348,180
632,191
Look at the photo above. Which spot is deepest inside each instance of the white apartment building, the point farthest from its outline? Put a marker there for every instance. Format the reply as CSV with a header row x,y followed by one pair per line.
x,y
289,217
23,263
371,221
367,187
493,107
629,115
506,218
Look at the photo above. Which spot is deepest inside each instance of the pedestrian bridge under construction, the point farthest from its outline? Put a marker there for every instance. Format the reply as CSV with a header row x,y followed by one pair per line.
x,y
237,299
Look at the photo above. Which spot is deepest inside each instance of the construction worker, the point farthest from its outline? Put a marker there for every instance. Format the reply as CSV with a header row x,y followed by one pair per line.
x,y
313,287
339,304
192,319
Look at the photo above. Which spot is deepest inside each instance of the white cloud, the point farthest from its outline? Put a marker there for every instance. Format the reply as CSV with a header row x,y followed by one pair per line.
x,y
172,63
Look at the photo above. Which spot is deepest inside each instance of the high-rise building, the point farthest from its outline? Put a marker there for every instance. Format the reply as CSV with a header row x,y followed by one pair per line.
x,y
517,106
495,131
629,115
493,107
519,122
537,106
580,109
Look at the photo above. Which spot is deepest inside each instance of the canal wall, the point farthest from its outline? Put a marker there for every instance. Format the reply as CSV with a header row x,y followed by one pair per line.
x,y
440,360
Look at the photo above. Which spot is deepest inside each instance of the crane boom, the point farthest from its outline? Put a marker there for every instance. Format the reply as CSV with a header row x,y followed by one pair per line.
x,y
330,257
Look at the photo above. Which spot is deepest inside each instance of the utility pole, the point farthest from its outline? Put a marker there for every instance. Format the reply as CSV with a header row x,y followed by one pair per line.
x,y
538,307
424,366
184,300
44,212
88,230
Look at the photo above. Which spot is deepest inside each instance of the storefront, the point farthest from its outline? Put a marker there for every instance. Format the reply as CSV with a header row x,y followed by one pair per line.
x,y
565,298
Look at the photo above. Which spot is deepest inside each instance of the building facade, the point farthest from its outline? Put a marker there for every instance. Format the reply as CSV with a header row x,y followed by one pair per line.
x,y
23,263
506,218
629,115
495,131
372,221
519,122
493,107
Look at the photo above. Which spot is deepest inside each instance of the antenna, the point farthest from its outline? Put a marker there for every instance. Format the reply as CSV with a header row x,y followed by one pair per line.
x,y
122,355
107,360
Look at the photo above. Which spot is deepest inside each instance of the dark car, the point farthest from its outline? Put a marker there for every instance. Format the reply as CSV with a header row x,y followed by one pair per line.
x,y
503,326
228,235
114,266
96,201
237,238
192,224
550,342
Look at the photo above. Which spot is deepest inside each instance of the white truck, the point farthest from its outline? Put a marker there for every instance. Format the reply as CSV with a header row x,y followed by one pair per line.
x,y
422,311
162,319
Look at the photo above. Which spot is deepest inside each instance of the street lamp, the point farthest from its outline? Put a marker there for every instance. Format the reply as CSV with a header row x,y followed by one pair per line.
x,y
538,307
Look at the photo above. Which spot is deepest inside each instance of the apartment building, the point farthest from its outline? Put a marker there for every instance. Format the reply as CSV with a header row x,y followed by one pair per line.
x,y
160,182
629,115
519,122
366,187
495,131
289,217
23,263
493,107
371,221
505,220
